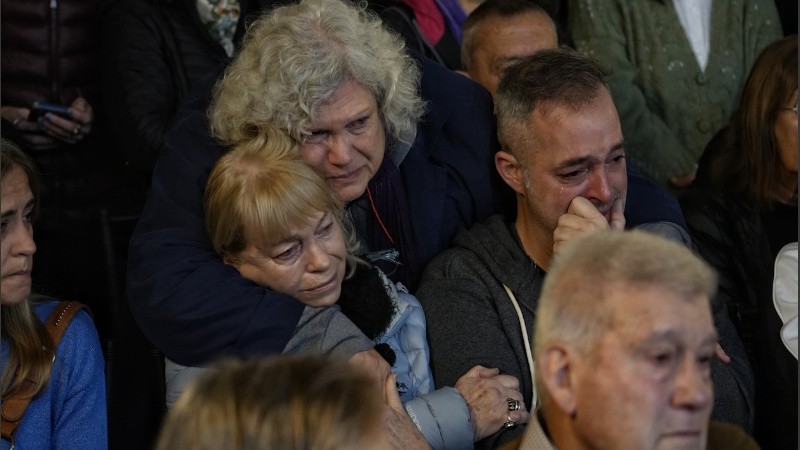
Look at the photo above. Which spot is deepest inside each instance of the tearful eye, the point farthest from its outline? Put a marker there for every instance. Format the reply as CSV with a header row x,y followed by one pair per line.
x,y
359,123
573,175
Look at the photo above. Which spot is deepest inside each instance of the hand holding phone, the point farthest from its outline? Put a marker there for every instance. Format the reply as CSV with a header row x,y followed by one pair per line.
x,y
39,109
69,124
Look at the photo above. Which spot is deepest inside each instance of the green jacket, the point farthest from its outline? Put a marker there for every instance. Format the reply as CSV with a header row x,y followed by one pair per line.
x,y
668,106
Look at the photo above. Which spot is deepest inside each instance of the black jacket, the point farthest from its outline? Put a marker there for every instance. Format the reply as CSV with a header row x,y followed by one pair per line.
x,y
154,51
731,236
49,53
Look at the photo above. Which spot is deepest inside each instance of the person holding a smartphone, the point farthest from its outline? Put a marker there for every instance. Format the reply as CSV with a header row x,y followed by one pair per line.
x,y
44,124
49,105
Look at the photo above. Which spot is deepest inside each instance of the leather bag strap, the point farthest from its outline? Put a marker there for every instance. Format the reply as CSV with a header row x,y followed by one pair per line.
x,y
14,406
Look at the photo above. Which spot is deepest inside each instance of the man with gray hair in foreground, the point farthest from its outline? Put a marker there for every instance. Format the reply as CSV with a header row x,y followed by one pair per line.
x,y
623,348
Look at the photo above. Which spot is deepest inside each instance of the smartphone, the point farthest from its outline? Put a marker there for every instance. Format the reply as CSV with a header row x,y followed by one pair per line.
x,y
39,109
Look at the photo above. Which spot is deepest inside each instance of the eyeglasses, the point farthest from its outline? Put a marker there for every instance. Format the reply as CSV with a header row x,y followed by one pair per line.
x,y
793,109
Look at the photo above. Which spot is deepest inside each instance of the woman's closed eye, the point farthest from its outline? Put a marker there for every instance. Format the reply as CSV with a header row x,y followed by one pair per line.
x,y
358,124
315,137
325,229
288,254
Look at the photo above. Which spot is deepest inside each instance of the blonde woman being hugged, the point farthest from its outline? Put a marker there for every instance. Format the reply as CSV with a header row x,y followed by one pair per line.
x,y
275,220
53,391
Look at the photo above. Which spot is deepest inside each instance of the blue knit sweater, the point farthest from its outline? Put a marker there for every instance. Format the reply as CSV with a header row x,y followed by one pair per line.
x,y
71,410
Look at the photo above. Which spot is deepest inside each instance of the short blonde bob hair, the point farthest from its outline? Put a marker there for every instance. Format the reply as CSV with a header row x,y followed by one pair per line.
x,y
296,56
260,190
281,402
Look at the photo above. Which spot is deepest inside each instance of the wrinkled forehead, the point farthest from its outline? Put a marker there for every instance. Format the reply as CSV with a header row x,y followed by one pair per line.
x,y
531,30
292,228
643,312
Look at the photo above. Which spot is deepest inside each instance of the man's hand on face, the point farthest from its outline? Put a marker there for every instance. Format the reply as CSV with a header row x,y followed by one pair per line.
x,y
583,217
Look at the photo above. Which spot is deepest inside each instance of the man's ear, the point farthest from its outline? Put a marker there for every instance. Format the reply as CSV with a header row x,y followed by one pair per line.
x,y
556,365
510,171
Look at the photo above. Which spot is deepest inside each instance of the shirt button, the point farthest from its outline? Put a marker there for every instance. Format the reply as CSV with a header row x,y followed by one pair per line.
x,y
703,125
701,78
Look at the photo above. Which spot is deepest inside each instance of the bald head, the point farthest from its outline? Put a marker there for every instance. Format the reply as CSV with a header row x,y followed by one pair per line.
x,y
501,32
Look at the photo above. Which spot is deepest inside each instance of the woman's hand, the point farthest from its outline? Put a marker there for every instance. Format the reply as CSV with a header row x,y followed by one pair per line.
x,y
30,132
50,128
403,434
372,363
73,129
487,394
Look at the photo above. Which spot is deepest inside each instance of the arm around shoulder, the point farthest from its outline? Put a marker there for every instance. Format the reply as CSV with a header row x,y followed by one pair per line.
x,y
186,301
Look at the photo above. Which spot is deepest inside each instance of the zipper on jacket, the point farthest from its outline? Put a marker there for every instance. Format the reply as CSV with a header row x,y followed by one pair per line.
x,y
55,73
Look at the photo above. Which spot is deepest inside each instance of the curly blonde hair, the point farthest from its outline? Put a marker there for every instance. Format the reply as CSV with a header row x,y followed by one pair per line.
x,y
296,56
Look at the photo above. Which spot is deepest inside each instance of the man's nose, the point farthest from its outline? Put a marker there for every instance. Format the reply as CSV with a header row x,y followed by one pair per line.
x,y
599,188
693,389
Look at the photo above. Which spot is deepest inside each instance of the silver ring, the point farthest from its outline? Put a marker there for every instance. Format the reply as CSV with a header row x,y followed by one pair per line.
x,y
509,423
16,121
513,405
76,131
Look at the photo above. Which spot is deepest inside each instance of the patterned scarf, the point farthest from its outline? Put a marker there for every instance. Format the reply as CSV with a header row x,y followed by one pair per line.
x,y
220,18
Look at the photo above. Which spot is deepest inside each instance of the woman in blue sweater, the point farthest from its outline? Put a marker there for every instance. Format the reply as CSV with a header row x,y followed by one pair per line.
x,y
65,382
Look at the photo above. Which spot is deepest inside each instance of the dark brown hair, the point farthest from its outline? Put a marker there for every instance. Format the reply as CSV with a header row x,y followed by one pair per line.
x,y
747,162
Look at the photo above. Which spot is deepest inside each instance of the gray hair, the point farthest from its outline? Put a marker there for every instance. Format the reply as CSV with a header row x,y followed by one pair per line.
x,y
573,303
554,77
296,56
